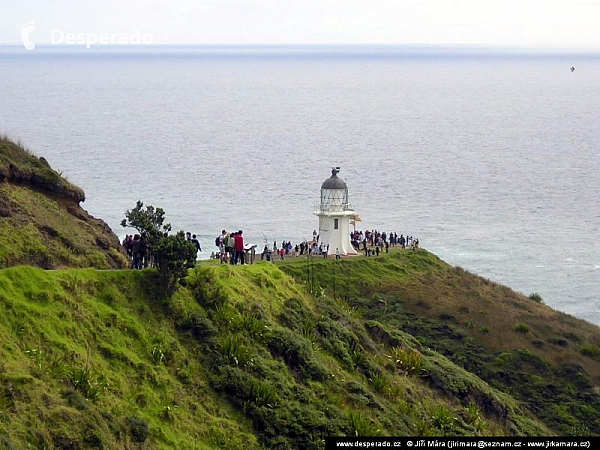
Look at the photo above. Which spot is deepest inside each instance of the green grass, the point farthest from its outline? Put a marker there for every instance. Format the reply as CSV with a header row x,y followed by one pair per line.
x,y
80,361
247,357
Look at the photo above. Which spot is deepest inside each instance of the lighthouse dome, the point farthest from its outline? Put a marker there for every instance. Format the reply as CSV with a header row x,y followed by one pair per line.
x,y
334,182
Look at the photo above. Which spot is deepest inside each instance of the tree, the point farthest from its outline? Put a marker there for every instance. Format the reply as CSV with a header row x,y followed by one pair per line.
x,y
172,254
149,222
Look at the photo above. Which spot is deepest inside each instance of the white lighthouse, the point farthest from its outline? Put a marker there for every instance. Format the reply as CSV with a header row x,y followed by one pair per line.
x,y
335,215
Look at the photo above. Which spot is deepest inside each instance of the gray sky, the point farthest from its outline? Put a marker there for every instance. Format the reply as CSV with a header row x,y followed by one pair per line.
x,y
549,23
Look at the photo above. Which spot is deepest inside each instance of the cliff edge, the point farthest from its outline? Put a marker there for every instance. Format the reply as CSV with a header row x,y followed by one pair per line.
x,y
41,220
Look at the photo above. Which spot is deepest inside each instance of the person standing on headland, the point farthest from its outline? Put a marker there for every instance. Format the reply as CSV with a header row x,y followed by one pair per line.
x,y
229,251
196,243
239,248
137,250
220,242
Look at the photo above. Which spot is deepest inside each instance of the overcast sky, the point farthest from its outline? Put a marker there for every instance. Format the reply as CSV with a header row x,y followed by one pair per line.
x,y
548,23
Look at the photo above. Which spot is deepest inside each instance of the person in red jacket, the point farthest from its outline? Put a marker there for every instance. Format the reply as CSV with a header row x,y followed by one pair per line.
x,y
239,248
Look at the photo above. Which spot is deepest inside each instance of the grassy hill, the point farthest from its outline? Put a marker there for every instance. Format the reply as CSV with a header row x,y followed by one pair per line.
x,y
41,222
280,356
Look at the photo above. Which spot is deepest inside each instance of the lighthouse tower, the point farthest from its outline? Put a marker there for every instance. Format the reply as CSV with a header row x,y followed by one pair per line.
x,y
335,215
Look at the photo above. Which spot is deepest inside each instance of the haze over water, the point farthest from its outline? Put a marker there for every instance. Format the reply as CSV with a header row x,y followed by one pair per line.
x,y
489,157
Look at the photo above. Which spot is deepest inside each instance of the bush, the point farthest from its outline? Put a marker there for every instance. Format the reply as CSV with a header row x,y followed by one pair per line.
x,y
201,326
360,425
536,297
87,382
475,419
297,353
253,325
407,361
138,428
245,388
264,394
558,341
442,418
522,328
590,350
362,396
380,383
172,254
233,348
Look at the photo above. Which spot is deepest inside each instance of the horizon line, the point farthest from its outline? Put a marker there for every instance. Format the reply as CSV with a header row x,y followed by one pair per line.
x,y
323,44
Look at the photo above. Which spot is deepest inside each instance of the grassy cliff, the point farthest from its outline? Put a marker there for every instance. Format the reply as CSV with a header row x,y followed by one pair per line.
x,y
41,222
280,356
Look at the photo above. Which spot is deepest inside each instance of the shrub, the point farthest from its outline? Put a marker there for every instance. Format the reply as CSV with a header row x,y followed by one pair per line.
x,y
307,330
87,382
245,388
358,354
297,353
362,396
484,330
361,425
138,428
264,394
201,326
380,383
74,398
590,350
341,341
536,297
442,418
233,348
172,254
475,419
559,341
407,361
522,328
252,324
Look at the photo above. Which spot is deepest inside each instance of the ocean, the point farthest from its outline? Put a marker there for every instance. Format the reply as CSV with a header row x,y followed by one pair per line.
x,y
491,157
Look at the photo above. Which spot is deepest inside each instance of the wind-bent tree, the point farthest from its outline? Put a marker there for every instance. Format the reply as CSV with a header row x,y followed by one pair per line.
x,y
171,254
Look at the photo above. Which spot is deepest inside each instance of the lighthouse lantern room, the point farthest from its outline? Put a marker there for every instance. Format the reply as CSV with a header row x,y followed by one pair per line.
x,y
335,215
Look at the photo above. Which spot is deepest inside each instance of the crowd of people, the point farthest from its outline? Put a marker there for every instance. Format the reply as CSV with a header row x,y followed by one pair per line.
x,y
287,249
233,250
137,250
372,242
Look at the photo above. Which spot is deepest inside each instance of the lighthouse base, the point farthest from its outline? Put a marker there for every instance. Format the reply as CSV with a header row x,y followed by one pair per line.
x,y
334,231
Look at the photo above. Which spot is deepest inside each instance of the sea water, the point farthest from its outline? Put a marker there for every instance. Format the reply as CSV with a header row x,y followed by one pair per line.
x,y
489,156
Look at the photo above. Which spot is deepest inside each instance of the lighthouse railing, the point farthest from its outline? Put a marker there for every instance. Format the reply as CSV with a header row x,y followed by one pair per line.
x,y
332,208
